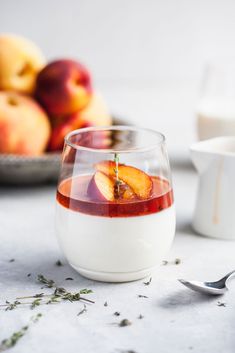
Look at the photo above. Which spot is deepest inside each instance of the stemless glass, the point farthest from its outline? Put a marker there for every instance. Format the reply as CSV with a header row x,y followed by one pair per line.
x,y
115,216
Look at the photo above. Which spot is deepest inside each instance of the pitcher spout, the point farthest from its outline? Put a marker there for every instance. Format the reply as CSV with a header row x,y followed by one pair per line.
x,y
201,159
204,153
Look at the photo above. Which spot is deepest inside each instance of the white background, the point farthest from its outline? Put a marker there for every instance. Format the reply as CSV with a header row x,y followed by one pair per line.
x,y
146,56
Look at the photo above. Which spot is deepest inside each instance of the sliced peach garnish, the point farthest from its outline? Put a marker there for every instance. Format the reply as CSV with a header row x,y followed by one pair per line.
x,y
105,188
101,187
123,191
140,182
128,193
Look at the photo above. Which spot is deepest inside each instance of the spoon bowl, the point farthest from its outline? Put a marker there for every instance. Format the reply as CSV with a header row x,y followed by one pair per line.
x,y
210,288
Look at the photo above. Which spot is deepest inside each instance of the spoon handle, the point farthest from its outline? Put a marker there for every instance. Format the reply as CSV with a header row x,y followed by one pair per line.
x,y
228,276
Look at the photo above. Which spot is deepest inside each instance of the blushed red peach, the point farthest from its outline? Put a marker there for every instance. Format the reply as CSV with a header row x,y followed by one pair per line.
x,y
63,87
95,114
69,123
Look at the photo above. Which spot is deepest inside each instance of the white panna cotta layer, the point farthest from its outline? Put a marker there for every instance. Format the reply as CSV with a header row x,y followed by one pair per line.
x,y
115,249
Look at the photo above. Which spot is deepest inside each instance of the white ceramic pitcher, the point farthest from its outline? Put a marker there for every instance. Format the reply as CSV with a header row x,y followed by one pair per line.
x,y
214,214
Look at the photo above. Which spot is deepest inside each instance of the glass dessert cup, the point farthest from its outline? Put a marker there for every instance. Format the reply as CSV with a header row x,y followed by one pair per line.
x,y
115,217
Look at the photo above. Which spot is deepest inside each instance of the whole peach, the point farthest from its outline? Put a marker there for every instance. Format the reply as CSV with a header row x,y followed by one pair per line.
x,y
69,123
20,62
24,126
95,114
63,87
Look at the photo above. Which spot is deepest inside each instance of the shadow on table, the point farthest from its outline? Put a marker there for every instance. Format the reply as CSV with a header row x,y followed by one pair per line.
x,y
184,298
24,272
185,228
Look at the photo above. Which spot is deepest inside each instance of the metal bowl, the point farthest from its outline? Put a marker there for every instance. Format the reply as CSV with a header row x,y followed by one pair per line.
x,y
22,170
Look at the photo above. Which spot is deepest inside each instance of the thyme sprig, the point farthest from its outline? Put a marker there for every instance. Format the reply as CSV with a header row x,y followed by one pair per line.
x,y
59,294
38,295
116,160
117,180
11,341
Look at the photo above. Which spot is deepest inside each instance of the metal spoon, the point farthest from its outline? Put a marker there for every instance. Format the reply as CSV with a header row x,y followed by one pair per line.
x,y
211,288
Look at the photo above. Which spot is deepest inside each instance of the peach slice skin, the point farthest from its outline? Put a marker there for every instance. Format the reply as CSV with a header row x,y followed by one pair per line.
x,y
101,187
140,182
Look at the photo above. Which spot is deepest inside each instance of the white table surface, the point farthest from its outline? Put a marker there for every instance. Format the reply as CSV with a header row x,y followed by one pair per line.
x,y
175,319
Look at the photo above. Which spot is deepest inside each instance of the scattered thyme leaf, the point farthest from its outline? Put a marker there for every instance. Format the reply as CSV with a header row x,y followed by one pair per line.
x,y
105,304
59,290
73,297
69,279
221,304
117,313
83,310
58,263
53,300
142,296
48,283
12,260
11,306
29,274
140,316
177,261
35,303
36,317
85,291
148,282
125,322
